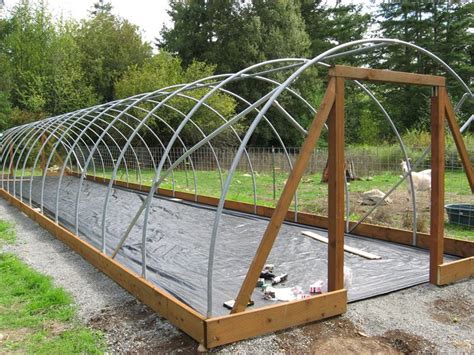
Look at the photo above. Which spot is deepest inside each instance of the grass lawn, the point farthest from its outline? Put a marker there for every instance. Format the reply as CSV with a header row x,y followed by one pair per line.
x,y
35,316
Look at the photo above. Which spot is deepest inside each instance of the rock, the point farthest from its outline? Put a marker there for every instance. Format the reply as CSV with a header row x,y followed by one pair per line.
x,y
372,197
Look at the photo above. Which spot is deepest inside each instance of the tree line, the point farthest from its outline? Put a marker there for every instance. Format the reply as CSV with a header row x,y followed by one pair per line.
x,y
49,66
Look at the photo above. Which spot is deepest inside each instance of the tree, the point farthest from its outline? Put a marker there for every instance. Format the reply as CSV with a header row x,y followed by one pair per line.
x,y
164,70
328,26
441,27
41,57
234,35
217,32
109,45
5,110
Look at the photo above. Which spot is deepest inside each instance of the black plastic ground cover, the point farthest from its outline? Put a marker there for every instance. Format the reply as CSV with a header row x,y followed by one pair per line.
x,y
178,239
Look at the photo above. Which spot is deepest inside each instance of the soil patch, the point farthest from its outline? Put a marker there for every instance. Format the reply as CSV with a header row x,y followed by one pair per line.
x,y
338,335
135,328
452,310
407,343
14,334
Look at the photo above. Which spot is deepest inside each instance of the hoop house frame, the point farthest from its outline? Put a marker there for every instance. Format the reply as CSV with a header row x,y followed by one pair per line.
x,y
81,135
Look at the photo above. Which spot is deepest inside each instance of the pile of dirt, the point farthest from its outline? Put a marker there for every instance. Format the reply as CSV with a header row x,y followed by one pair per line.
x,y
338,335
457,309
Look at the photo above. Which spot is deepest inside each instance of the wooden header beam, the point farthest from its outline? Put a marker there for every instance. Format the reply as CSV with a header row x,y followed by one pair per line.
x,y
387,76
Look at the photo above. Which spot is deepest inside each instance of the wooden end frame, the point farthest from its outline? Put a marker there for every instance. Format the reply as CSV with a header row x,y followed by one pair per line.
x,y
333,107
441,108
443,273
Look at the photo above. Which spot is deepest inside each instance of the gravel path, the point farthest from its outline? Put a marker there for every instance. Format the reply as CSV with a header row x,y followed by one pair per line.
x,y
421,319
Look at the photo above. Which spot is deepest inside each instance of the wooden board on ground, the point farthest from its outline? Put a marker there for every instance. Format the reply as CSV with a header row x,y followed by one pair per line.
x,y
243,325
456,270
347,248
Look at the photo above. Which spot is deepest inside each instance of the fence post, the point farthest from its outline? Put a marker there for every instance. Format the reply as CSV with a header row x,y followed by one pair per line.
x,y
185,168
273,173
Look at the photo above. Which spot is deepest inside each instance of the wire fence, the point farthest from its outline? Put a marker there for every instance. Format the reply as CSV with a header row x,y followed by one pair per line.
x,y
366,161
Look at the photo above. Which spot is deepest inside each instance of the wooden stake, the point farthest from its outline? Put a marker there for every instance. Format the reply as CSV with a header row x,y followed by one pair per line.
x,y
284,202
336,166
460,145
438,105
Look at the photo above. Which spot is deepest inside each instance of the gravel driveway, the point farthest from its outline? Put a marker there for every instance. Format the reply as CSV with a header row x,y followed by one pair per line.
x,y
422,319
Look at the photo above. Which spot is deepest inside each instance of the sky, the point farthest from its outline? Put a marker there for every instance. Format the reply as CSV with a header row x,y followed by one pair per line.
x,y
149,15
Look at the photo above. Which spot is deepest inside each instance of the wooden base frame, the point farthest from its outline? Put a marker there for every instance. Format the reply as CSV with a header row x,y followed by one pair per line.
x,y
243,323
455,271
210,332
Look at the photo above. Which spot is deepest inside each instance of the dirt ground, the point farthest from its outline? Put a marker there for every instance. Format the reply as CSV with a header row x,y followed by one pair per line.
x,y
399,212
133,327
422,319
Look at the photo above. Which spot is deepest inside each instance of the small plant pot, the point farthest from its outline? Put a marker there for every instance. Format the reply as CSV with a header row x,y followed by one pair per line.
x,y
462,214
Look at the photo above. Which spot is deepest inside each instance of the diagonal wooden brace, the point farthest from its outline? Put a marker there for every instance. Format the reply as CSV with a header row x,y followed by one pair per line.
x,y
460,145
286,197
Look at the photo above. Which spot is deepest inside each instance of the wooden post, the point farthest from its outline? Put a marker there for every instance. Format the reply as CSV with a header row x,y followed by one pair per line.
x,y
336,165
284,202
437,182
461,147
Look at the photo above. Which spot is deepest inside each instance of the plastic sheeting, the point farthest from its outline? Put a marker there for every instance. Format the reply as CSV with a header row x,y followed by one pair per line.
x,y
178,246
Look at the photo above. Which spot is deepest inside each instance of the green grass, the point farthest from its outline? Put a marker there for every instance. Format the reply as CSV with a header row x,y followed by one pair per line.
x,y
7,233
459,232
35,316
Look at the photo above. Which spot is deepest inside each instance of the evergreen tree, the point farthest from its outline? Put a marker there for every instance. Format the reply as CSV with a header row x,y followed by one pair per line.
x,y
328,26
234,35
442,28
